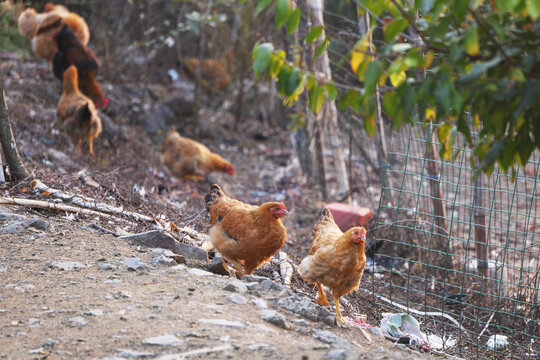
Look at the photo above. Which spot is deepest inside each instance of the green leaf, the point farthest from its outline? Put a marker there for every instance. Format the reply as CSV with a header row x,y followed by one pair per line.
x,y
351,98
289,80
369,125
322,47
401,47
471,42
316,99
460,8
283,9
478,70
394,28
390,104
294,20
261,57
372,77
533,7
261,5
447,137
314,34
493,153
331,92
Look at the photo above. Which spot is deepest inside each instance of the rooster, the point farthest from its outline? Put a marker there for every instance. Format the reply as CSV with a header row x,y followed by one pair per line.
x,y
246,235
76,113
72,52
189,159
336,259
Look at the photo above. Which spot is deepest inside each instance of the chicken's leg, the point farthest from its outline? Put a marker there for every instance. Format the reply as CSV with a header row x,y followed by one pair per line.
x,y
79,144
338,312
238,268
91,147
321,299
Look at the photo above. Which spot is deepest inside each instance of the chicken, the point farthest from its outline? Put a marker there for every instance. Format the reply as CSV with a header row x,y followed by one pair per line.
x,y
188,159
336,259
246,235
40,27
213,73
72,52
76,113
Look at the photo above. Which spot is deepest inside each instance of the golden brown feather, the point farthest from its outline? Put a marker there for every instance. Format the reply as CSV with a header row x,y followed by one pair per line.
x,y
336,259
246,235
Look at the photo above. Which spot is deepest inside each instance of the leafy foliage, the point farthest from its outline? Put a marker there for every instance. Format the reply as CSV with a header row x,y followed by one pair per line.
x,y
10,38
448,59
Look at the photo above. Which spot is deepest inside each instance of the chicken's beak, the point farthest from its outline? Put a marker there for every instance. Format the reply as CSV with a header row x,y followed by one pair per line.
x,y
283,213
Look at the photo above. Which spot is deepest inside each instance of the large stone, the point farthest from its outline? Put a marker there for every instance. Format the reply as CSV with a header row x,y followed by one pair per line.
x,y
153,239
77,321
191,252
13,228
199,272
337,354
235,285
36,223
216,266
300,306
237,299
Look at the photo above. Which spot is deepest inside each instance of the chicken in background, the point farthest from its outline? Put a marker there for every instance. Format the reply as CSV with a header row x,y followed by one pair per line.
x,y
246,235
40,28
214,75
336,259
189,159
72,52
76,113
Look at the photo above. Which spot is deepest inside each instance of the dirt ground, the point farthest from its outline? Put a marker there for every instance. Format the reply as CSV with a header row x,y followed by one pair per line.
x,y
102,310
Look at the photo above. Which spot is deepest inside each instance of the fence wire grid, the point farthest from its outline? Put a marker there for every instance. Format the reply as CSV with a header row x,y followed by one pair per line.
x,y
456,245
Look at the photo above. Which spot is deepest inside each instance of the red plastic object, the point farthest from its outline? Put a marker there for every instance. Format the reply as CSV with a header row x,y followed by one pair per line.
x,y
346,216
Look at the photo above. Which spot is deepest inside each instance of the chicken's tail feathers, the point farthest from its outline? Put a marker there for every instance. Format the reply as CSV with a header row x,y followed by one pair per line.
x,y
325,214
214,194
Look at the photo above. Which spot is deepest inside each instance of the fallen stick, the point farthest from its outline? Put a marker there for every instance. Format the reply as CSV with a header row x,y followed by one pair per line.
x,y
87,203
50,206
487,324
285,268
96,226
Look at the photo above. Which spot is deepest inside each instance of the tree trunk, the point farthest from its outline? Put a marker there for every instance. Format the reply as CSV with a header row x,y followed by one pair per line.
x,y
322,66
9,147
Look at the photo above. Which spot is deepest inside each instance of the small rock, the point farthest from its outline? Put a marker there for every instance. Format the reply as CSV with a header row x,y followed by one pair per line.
x,y
67,265
13,228
302,306
260,303
32,321
300,322
191,252
199,272
49,343
330,320
133,263
35,351
327,337
77,321
253,285
95,312
107,266
216,266
36,223
275,318
164,340
266,284
164,260
112,281
222,322
252,278
337,354
126,353
235,285
237,299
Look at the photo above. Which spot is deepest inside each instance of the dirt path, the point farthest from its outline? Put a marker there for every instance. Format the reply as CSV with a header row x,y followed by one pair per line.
x,y
97,308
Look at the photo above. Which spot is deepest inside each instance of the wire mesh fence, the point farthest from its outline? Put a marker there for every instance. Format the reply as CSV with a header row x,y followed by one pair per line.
x,y
460,253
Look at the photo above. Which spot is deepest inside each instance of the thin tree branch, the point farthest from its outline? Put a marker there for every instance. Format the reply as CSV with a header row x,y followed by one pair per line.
x,y
486,29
